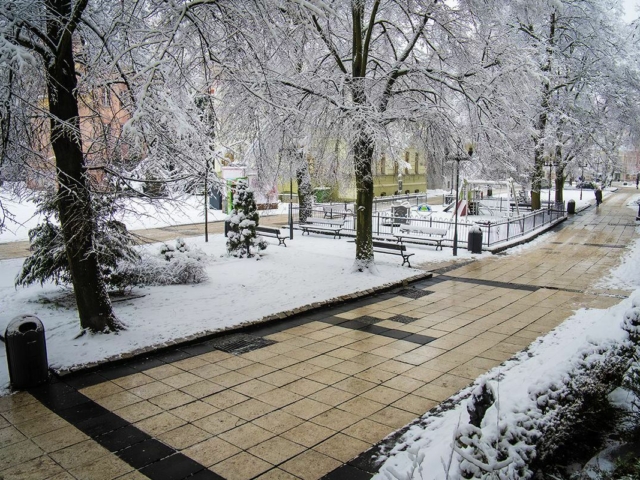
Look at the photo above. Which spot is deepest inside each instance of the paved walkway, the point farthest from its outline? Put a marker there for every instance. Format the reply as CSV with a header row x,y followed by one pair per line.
x,y
303,397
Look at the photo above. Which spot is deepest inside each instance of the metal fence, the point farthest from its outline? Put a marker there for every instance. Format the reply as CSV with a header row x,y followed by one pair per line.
x,y
493,232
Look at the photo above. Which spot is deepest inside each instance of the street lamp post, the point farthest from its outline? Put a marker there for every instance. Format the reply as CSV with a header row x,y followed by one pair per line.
x,y
550,164
581,179
458,159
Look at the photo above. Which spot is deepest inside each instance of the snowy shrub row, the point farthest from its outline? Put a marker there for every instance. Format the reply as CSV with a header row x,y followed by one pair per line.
x,y
172,266
506,443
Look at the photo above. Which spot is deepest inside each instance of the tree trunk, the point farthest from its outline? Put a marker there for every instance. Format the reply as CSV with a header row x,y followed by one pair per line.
x,y
74,203
541,123
305,195
363,157
560,178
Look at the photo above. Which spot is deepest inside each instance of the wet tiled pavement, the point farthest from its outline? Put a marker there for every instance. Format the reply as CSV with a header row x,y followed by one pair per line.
x,y
302,397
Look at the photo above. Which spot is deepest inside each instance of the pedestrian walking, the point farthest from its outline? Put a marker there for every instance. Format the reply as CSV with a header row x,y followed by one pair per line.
x,y
598,194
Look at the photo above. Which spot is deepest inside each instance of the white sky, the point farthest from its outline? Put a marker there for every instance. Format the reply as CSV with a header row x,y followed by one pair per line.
x,y
630,9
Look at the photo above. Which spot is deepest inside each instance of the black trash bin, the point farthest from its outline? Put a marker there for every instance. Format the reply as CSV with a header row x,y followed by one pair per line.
x,y
474,239
26,352
489,192
571,206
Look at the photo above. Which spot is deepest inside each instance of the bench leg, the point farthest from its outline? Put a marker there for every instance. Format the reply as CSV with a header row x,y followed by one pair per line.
x,y
405,259
281,240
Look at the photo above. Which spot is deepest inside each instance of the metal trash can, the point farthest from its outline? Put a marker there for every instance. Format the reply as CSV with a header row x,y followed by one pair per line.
x,y
489,192
571,207
474,239
26,352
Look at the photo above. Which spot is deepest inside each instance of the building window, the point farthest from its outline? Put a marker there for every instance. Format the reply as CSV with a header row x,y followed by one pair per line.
x,y
106,97
406,159
417,162
383,165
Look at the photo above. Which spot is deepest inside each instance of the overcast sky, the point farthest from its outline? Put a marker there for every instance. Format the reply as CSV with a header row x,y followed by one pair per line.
x,y
631,9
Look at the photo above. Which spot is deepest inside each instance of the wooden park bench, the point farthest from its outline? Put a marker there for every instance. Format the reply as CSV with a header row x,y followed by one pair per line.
x,y
421,235
393,249
272,232
322,225
335,211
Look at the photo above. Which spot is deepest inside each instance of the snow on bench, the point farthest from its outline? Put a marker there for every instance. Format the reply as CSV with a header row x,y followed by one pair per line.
x,y
426,235
322,225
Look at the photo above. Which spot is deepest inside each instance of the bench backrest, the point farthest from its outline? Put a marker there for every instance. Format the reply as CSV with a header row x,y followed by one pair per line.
x,y
390,246
426,230
325,221
267,229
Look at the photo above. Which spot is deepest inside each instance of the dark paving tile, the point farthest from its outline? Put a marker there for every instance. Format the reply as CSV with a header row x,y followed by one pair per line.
x,y
198,349
118,371
100,425
172,356
367,461
146,363
175,467
145,453
347,472
398,334
122,438
59,396
334,320
268,330
369,320
81,412
84,380
417,338
353,325
375,329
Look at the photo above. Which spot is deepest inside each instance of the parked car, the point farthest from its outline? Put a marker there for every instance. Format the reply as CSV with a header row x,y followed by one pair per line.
x,y
587,185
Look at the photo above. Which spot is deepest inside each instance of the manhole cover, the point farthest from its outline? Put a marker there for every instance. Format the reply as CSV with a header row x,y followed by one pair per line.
x,y
238,343
402,319
413,293
368,320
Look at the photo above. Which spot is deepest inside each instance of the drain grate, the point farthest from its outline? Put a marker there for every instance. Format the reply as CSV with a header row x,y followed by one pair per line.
x,y
402,319
238,343
368,320
413,293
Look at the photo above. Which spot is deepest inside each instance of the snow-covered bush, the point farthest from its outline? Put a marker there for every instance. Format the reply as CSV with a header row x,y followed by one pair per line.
x,y
173,265
48,260
507,443
242,240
